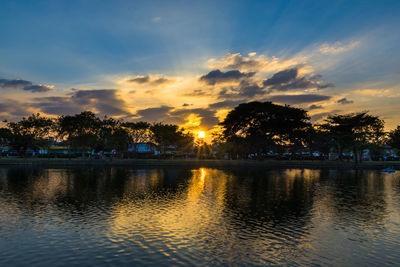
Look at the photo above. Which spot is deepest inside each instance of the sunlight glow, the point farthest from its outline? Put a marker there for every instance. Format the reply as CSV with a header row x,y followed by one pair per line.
x,y
201,134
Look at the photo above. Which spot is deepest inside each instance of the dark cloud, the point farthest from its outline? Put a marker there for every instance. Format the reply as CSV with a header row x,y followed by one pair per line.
x,y
37,88
281,81
160,81
245,89
102,101
284,76
185,105
24,85
298,99
13,110
239,62
314,107
147,80
226,104
344,101
316,77
217,76
14,84
326,85
250,89
154,114
140,79
289,80
106,101
57,105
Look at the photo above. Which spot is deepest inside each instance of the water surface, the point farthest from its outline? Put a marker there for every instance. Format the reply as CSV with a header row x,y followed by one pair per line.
x,y
202,216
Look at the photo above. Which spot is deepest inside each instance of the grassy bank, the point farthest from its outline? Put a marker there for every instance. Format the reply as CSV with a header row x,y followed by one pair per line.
x,y
198,163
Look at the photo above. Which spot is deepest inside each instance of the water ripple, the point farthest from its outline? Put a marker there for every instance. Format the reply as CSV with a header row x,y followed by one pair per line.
x,y
198,217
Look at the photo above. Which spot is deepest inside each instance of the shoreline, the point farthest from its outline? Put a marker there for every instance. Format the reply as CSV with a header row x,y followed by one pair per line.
x,y
45,162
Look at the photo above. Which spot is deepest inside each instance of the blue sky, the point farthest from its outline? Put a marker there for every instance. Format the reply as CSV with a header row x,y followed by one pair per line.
x,y
74,46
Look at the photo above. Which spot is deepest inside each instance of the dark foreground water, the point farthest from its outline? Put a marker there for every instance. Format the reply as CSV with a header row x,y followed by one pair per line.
x,y
174,216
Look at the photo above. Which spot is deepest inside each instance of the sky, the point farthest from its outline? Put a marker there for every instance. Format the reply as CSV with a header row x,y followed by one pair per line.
x,y
191,62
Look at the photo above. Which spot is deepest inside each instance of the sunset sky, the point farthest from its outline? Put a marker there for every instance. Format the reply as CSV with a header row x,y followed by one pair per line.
x,y
190,62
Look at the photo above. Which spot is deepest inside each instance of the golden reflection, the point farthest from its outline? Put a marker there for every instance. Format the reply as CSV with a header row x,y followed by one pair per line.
x,y
177,216
305,176
142,181
51,184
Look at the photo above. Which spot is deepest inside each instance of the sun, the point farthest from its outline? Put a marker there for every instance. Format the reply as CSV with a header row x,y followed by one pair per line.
x,y
201,134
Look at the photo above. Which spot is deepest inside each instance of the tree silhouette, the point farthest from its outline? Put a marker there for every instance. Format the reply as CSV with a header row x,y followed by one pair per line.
x,y
356,131
394,138
165,135
259,126
6,136
33,132
81,130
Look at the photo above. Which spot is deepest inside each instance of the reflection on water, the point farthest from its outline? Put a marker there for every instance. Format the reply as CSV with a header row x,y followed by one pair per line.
x,y
196,216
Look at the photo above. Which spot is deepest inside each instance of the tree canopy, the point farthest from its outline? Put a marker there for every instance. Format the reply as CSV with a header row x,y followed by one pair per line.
x,y
259,126
357,130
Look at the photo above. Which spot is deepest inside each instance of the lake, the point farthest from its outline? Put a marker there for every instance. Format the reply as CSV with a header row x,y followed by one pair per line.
x,y
202,216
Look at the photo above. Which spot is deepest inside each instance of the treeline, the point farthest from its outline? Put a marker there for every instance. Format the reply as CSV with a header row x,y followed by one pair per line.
x,y
87,132
255,129
262,128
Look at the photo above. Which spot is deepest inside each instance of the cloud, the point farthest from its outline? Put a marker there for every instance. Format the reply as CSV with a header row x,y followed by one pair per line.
x,y
315,107
9,111
344,101
14,84
298,99
140,79
38,88
319,116
375,92
101,101
337,47
226,104
25,85
57,105
150,80
197,92
284,76
154,114
250,89
217,76
284,80
254,63
205,117
289,80
160,81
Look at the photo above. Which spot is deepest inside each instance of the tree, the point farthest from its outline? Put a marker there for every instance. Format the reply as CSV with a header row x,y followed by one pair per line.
x,y
6,136
165,135
35,132
356,131
139,132
320,139
394,138
260,126
113,135
81,130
